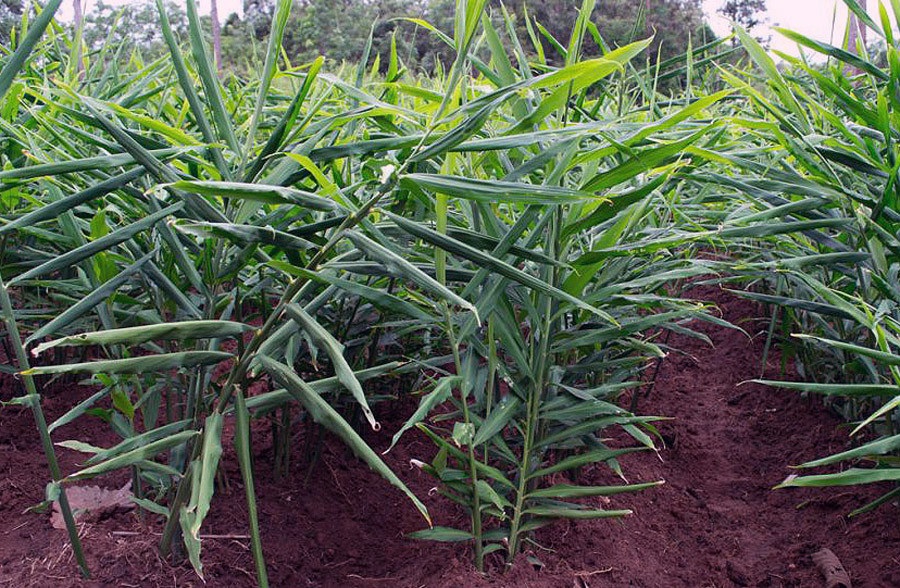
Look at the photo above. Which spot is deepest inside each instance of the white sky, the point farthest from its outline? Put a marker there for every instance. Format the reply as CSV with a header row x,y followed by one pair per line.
x,y
824,20
820,19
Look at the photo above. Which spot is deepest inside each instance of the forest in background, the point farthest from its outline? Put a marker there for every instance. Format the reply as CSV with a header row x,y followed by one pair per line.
x,y
340,29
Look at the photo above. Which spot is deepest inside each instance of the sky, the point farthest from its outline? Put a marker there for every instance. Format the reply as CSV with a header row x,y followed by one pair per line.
x,y
824,20
820,19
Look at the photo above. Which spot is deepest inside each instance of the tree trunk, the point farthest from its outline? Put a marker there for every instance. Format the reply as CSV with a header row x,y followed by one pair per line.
x,y
79,13
858,31
79,22
217,35
647,18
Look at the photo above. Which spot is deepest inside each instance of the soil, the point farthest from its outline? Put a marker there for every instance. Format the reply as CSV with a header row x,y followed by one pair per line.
x,y
715,522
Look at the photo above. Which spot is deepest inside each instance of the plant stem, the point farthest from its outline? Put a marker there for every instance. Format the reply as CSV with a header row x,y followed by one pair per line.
x,y
472,459
542,357
34,400
245,460
440,263
491,380
181,497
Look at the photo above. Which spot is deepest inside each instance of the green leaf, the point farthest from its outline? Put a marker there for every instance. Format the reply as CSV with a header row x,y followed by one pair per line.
x,y
177,331
16,61
463,434
188,86
851,477
89,164
122,402
89,302
270,68
443,534
132,457
841,55
879,447
135,365
495,191
87,250
269,400
771,72
491,263
570,491
643,161
441,393
151,506
583,459
378,297
257,192
483,469
136,442
247,234
553,512
286,123
51,210
78,410
211,86
209,465
835,389
322,339
581,75
881,356
489,496
399,266
498,419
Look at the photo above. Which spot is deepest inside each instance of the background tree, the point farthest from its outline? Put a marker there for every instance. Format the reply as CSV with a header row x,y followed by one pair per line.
x,y
78,9
673,24
10,17
857,31
216,34
339,29
134,24
749,14
258,16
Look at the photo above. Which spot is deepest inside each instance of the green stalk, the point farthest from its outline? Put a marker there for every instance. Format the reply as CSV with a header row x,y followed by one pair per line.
x,y
182,494
34,400
491,380
516,523
535,396
534,405
242,445
440,262
477,528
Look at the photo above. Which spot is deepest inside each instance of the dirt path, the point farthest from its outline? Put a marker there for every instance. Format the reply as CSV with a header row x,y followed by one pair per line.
x,y
716,521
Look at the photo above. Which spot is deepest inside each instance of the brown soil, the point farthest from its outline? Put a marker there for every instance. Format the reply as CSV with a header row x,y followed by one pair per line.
x,y
716,521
